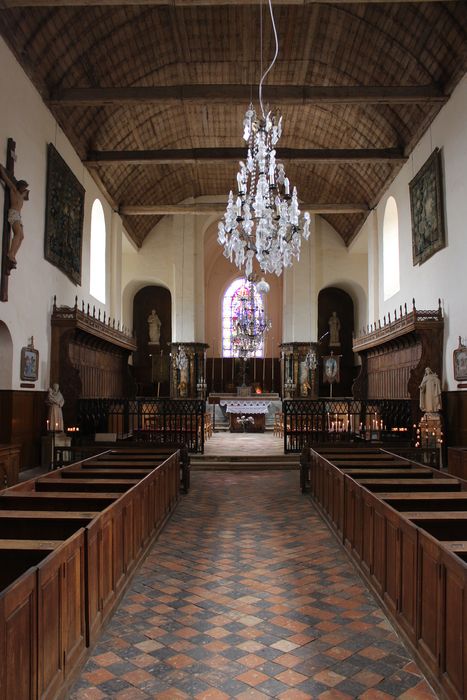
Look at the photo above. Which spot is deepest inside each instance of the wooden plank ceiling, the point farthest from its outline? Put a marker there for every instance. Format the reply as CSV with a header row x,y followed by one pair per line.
x,y
152,94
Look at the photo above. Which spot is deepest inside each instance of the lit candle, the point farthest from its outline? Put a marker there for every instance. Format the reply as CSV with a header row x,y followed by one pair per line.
x,y
48,425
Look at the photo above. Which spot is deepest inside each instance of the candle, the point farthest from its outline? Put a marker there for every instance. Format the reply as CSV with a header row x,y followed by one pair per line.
x,y
254,369
264,370
48,425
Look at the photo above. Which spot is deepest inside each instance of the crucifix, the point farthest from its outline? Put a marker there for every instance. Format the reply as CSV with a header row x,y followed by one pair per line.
x,y
16,193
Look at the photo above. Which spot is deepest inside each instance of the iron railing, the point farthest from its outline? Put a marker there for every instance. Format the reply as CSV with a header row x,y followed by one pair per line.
x,y
313,421
174,422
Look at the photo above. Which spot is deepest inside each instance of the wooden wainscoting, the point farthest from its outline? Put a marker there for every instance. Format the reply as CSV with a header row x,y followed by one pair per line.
x,y
23,421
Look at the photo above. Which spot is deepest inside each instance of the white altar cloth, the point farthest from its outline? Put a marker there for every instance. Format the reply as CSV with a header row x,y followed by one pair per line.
x,y
245,406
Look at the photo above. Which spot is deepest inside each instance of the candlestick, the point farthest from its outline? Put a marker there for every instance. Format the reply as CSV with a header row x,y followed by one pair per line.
x,y
212,369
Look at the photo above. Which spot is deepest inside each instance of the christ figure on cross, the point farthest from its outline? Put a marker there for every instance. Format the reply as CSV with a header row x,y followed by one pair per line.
x,y
19,194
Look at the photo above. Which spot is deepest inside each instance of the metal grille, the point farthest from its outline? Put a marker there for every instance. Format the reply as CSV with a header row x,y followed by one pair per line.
x,y
312,421
177,422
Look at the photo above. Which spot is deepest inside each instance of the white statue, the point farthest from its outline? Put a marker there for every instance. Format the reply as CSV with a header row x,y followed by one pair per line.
x,y
430,392
55,403
334,328
154,324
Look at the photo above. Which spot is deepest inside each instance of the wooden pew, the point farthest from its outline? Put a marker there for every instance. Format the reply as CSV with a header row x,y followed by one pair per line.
x,y
42,615
55,483
409,536
114,473
386,473
435,485
69,544
33,500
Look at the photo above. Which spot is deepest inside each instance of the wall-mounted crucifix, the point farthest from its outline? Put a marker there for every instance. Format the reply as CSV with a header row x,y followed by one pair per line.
x,y
16,193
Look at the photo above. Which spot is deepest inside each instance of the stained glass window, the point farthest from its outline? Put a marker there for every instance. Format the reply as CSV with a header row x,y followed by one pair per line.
x,y
230,310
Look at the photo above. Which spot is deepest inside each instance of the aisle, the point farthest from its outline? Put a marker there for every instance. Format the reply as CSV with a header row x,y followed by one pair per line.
x,y
246,594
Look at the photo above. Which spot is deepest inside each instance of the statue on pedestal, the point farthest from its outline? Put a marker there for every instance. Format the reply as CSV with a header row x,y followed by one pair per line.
x,y
154,327
55,402
430,392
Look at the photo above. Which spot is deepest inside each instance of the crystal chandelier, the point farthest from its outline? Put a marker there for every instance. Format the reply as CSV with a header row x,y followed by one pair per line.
x,y
263,220
249,323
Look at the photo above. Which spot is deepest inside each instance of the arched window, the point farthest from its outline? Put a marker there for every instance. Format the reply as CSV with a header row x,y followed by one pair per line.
x,y
230,307
97,261
391,280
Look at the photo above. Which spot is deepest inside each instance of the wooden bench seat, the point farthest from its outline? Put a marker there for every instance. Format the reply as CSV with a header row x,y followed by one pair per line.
x,y
386,472
410,484
104,485
426,501
34,545
32,500
364,464
42,525
443,526
78,473
121,463
456,546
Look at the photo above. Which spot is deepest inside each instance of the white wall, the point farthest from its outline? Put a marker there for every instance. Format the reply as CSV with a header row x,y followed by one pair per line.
x,y
325,261
26,119
171,256
444,275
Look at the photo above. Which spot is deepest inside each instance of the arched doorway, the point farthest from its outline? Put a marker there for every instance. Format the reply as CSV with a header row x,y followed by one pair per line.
x,y
6,353
335,329
151,360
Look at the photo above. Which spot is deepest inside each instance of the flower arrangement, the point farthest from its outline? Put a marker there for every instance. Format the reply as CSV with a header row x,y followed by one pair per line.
x,y
245,420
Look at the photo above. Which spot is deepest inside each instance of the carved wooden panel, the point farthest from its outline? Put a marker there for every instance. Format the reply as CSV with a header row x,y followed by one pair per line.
x,y
389,371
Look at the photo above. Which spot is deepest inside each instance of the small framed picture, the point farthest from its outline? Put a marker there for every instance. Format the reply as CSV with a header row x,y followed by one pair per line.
x,y
460,362
331,373
29,364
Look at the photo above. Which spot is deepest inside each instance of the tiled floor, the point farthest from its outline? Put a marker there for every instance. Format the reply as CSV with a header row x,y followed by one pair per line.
x,y
261,444
246,594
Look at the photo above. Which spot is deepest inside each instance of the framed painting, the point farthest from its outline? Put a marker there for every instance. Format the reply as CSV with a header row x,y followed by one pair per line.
x,y
460,362
331,369
426,206
29,368
63,217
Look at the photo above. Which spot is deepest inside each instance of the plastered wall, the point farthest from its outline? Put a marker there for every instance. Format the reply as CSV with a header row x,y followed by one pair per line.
x,y
26,119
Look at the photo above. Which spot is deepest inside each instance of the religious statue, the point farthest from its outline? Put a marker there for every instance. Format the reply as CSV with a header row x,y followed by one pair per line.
x,y
304,379
154,324
430,392
55,403
19,194
334,328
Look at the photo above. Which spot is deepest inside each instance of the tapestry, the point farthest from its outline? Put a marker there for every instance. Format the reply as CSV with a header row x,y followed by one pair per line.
x,y
64,212
426,205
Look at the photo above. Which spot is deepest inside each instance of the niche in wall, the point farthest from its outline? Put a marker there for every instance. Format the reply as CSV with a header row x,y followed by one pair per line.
x,y
329,300
151,365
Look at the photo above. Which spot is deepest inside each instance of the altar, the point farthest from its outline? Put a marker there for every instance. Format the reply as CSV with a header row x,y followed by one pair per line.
x,y
252,410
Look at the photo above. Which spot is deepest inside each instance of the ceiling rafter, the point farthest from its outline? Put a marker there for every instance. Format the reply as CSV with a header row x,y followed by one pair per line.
x,y
241,94
191,3
188,156
203,208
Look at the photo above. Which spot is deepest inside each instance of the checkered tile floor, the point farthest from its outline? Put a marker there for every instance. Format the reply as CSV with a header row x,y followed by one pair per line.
x,y
246,594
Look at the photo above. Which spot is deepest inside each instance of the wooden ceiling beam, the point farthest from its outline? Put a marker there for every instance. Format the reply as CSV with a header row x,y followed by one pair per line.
x,y
202,208
189,3
198,156
241,94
